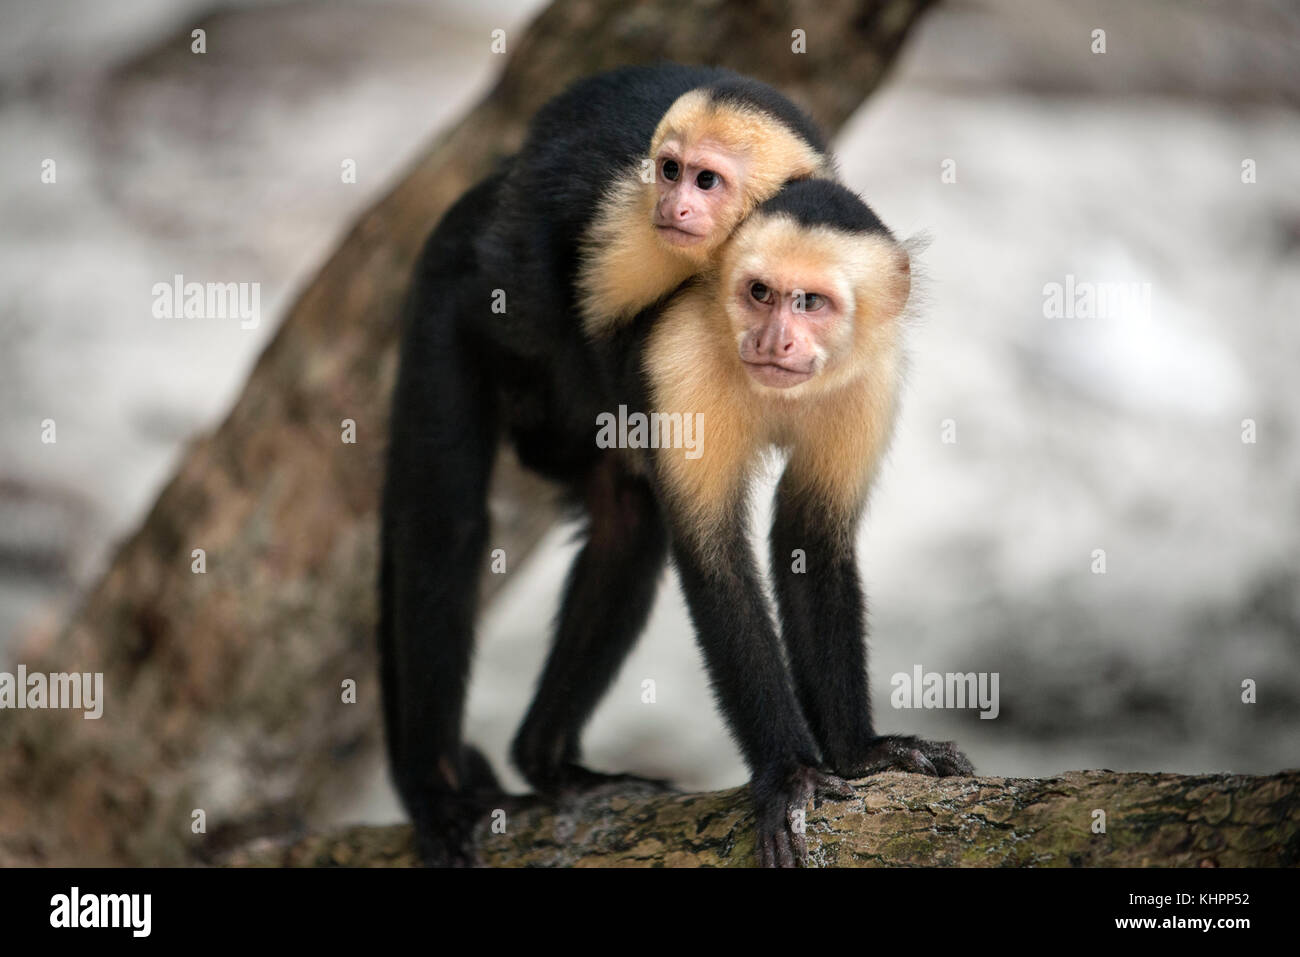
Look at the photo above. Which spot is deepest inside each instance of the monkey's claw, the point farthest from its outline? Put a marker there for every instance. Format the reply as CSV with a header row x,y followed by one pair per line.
x,y
780,825
896,752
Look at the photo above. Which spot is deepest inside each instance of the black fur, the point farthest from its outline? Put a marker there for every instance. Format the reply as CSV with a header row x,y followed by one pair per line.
x,y
434,526
822,202
467,376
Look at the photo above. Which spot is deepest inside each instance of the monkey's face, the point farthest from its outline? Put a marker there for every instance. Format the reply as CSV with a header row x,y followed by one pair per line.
x,y
809,307
788,329
714,162
698,194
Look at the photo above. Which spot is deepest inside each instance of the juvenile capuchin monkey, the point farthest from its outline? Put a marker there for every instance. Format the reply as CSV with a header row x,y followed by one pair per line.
x,y
588,263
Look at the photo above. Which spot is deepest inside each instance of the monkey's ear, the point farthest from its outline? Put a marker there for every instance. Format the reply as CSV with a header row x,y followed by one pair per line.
x,y
887,280
902,278
909,280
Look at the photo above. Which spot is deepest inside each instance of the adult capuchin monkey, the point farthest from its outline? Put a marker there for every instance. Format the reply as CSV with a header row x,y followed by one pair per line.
x,y
579,252
793,343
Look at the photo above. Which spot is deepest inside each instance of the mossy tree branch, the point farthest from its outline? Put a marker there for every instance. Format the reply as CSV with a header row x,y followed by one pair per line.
x,y
895,820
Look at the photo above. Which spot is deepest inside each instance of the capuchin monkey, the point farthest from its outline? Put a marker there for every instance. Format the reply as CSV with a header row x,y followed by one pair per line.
x,y
794,344
589,263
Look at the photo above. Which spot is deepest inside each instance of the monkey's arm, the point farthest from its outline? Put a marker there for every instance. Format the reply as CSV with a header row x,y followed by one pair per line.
x,y
749,677
823,624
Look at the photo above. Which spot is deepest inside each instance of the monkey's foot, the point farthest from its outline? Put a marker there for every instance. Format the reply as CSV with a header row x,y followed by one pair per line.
x,y
897,752
444,825
779,823
574,779
444,839
477,774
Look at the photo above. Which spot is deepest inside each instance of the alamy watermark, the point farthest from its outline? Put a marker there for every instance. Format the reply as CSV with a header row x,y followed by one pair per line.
x,y
179,299
1074,299
130,911
949,690
656,430
58,689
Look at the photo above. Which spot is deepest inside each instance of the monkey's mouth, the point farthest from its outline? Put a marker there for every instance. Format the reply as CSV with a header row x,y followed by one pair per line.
x,y
676,236
776,376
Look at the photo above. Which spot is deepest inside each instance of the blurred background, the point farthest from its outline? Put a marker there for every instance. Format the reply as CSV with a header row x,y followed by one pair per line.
x,y
1025,159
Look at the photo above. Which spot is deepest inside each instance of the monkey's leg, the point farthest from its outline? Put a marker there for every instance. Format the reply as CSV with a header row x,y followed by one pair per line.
x,y
607,598
753,687
823,623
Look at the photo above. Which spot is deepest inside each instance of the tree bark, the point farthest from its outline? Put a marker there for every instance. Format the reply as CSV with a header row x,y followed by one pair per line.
x,y
895,820
224,688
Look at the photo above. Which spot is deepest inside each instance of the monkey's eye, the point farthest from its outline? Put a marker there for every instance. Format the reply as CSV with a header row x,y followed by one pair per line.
x,y
707,179
671,170
760,292
808,301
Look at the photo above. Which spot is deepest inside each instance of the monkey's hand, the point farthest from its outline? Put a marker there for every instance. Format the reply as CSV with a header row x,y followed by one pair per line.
x,y
444,831
897,752
781,806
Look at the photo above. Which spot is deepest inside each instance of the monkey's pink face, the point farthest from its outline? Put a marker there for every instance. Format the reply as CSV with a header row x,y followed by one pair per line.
x,y
786,334
698,194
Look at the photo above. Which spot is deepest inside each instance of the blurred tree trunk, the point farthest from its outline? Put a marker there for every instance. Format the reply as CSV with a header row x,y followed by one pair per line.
x,y
895,820
223,689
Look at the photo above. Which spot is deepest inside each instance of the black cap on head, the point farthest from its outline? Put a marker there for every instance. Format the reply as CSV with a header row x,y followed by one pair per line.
x,y
743,91
823,202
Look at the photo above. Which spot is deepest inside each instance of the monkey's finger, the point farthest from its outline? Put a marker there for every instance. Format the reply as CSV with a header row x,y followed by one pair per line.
x,y
954,769
798,849
949,761
785,853
834,785
921,764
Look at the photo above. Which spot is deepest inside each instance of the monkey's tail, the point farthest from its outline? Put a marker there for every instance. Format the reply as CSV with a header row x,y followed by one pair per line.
x,y
434,521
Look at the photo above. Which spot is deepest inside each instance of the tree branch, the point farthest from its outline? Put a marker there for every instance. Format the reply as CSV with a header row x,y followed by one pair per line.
x,y
895,820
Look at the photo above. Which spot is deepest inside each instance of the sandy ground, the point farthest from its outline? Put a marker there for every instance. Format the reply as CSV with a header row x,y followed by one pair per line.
x,y
1121,433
